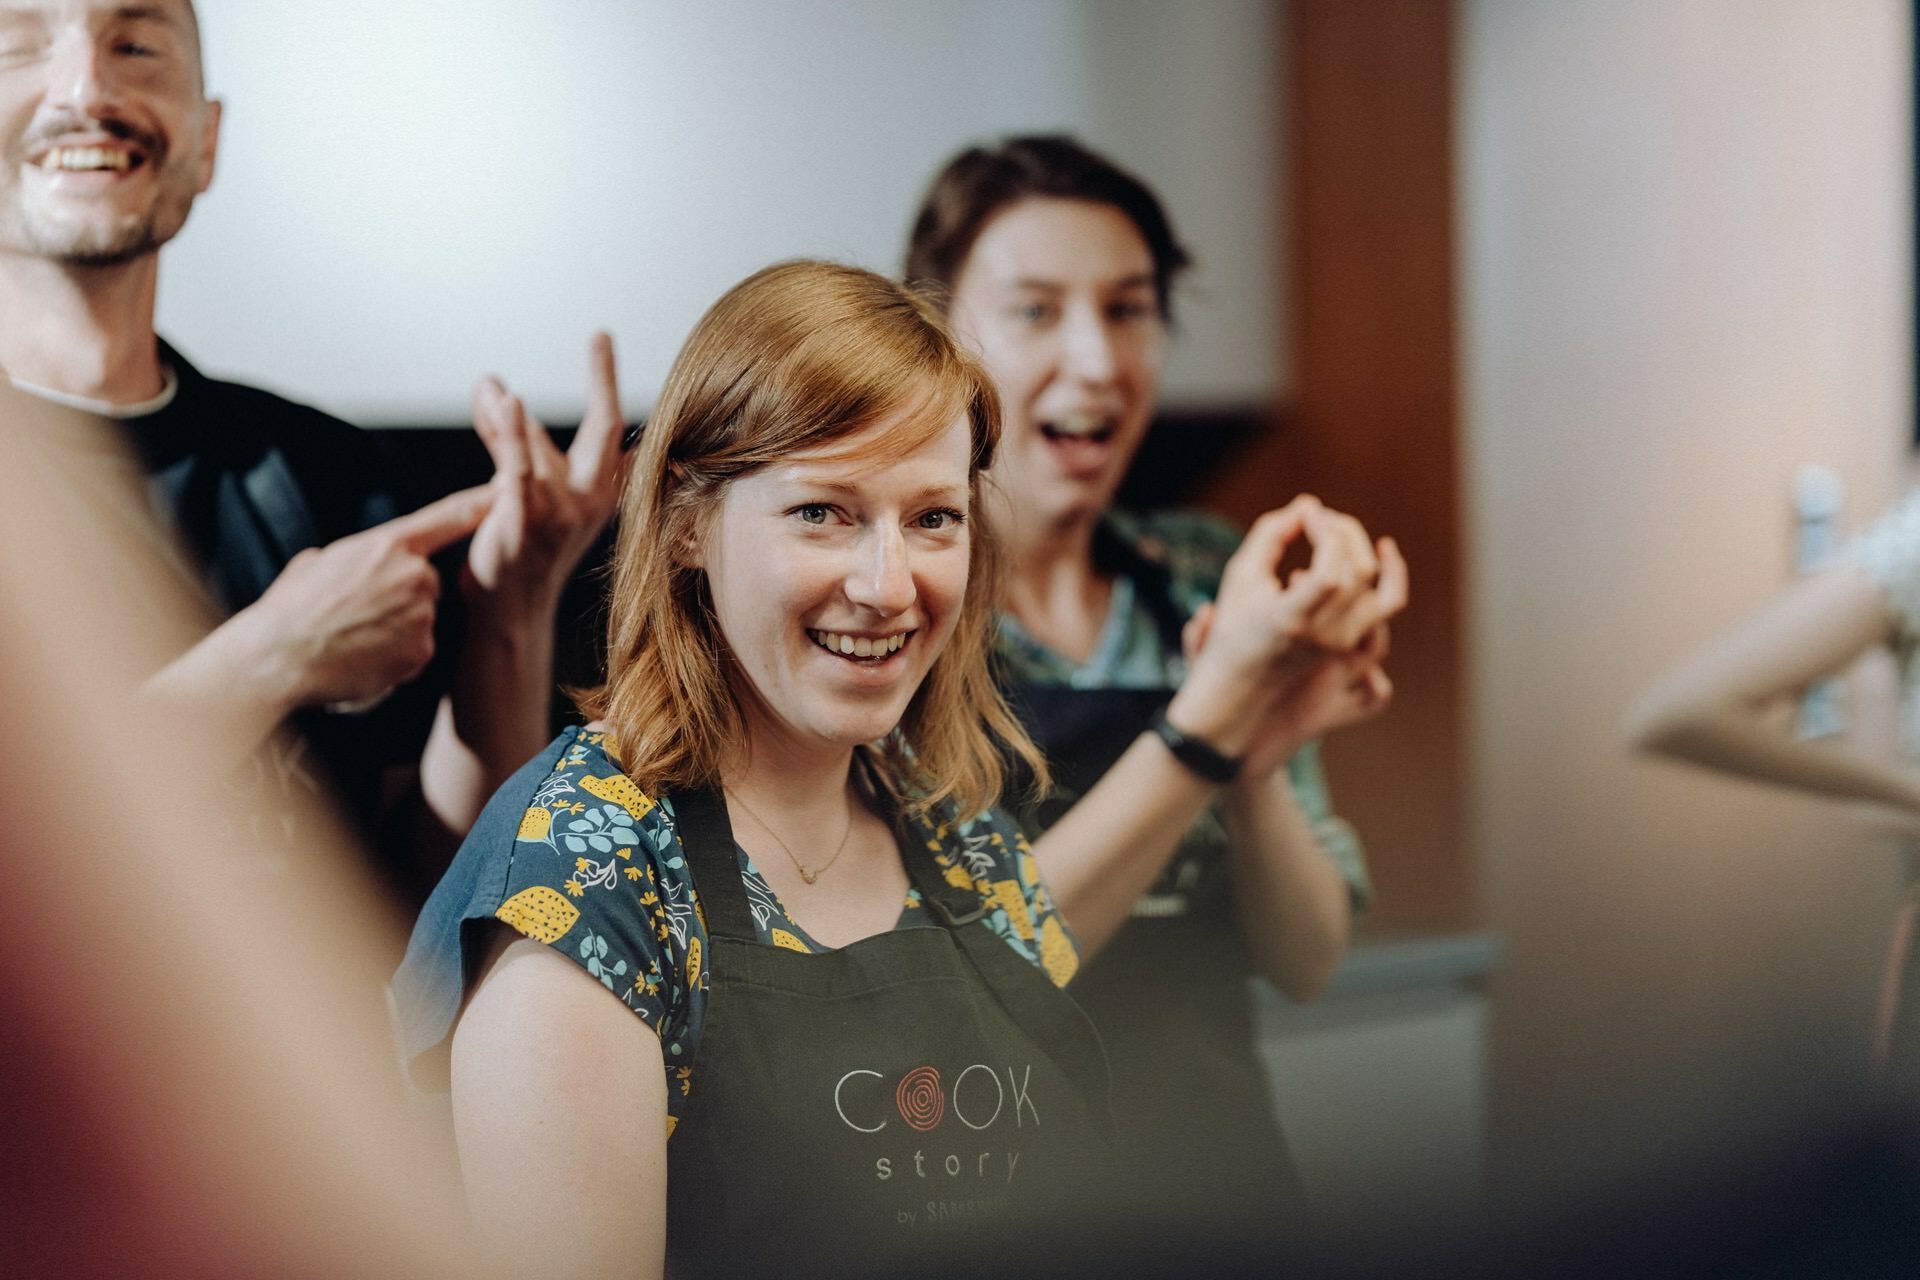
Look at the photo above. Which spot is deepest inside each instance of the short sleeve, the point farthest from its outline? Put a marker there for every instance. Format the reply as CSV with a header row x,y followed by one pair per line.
x,y
580,881
1336,837
573,855
1889,552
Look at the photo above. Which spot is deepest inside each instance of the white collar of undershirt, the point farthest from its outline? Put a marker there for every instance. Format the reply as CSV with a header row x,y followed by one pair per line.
x,y
139,409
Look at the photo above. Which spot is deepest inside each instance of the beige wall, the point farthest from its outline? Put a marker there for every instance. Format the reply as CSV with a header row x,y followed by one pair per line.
x,y
1684,265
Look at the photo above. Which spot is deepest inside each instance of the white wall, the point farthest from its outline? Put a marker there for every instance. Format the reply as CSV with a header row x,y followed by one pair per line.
x,y
1686,266
414,191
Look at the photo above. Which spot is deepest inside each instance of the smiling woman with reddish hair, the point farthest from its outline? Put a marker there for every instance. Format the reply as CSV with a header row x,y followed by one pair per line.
x,y
750,973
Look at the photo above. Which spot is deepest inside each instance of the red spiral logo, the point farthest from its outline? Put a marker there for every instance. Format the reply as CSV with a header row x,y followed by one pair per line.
x,y
920,1098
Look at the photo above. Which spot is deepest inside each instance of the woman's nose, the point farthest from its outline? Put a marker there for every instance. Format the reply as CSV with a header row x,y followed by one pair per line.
x,y
882,580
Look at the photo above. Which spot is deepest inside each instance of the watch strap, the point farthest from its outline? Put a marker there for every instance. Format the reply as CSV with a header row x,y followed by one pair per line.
x,y
1205,760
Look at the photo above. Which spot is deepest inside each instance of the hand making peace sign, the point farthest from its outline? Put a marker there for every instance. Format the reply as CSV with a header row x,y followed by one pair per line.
x,y
548,506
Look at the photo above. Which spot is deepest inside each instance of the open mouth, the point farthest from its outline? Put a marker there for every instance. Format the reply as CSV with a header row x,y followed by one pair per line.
x,y
871,649
90,160
1093,428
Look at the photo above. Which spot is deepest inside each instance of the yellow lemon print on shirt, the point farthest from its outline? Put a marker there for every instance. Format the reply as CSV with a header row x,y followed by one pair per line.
x,y
1029,869
959,877
1057,955
781,938
540,913
620,790
1007,896
535,824
673,1122
693,963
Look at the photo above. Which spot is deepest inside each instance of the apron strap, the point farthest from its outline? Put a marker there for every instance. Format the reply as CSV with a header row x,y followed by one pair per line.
x,y
706,837
1038,1007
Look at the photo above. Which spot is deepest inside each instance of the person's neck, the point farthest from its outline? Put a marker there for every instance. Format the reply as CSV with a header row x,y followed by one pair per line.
x,y
1050,571
85,331
792,788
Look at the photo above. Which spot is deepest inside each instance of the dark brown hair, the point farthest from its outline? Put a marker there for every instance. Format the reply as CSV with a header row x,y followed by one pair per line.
x,y
799,355
981,181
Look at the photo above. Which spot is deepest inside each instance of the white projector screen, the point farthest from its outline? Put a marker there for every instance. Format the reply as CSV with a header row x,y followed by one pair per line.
x,y
413,192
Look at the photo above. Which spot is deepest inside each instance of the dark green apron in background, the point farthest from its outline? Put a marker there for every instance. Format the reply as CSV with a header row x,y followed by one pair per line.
x,y
1168,993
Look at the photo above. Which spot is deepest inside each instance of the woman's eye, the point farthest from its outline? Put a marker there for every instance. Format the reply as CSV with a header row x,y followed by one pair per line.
x,y
813,513
1130,311
1033,313
944,518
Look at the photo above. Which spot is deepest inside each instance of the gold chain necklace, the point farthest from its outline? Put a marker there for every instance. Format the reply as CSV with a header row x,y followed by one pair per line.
x,y
805,874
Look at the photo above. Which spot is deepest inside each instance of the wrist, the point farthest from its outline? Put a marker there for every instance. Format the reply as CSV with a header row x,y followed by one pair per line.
x,y
251,657
512,608
1224,715
1201,758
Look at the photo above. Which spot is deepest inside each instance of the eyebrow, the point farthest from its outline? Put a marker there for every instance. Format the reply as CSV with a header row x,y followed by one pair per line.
x,y
1139,280
932,492
121,13
149,13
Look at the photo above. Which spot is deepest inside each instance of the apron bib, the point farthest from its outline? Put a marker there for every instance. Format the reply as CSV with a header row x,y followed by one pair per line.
x,y
921,1088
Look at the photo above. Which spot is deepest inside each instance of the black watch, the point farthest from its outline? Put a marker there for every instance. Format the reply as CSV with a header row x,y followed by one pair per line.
x,y
1202,757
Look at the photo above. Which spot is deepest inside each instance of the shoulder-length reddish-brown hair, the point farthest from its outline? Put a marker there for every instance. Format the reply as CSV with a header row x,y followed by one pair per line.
x,y
795,357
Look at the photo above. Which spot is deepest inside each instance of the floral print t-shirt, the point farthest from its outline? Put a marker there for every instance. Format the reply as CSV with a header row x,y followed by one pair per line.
x,y
571,853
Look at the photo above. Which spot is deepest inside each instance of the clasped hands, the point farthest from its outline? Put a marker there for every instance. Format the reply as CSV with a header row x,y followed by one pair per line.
x,y
350,621
1273,664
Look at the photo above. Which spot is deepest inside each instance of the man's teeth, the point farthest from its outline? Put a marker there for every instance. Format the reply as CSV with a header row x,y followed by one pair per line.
x,y
84,158
859,646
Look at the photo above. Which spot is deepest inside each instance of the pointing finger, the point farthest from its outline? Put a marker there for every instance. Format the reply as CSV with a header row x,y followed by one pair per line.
x,y
441,523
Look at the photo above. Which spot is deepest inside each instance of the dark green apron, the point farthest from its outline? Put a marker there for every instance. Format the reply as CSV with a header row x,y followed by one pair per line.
x,y
924,1087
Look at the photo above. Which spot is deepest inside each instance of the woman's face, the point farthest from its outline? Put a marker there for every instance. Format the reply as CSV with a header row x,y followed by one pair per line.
x,y
836,577
1057,298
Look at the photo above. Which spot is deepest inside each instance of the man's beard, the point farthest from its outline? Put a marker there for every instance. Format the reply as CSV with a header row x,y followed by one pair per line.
x,y
82,237
94,242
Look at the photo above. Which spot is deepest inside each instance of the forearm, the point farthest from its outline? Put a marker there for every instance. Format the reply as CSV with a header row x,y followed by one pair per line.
x,y
494,717
1295,907
1110,847
1113,844
1737,739
232,686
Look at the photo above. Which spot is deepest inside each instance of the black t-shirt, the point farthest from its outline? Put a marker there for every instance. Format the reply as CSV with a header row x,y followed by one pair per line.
x,y
248,480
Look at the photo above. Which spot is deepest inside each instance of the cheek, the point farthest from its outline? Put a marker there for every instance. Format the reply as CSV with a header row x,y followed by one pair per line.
x,y
942,585
1019,367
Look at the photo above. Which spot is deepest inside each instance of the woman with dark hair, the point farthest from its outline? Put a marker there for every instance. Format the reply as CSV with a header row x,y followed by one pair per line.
x,y
750,974
1058,267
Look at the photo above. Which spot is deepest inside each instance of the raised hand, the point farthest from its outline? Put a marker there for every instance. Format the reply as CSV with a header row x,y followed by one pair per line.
x,y
1336,691
1264,636
548,506
349,621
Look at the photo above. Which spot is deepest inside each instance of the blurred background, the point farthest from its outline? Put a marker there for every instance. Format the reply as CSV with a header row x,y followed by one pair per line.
x,y
1562,293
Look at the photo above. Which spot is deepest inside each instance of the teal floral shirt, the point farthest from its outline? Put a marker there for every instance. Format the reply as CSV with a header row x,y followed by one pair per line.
x,y
596,871
1130,654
